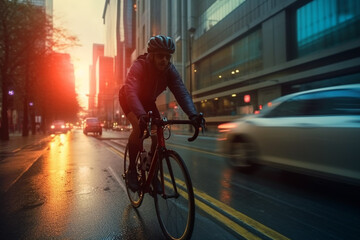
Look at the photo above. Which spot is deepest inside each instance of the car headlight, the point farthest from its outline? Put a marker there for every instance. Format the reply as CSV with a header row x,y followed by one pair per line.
x,y
226,127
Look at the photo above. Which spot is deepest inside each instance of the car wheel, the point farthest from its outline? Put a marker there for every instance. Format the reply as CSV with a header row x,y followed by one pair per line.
x,y
100,133
242,154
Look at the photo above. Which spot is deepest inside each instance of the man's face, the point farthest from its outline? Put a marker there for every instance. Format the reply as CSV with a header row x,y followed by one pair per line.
x,y
162,60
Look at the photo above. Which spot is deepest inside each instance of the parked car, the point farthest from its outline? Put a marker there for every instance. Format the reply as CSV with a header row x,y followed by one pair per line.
x,y
316,132
92,125
58,126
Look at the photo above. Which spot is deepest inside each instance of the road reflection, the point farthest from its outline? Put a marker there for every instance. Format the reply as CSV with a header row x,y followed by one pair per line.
x,y
59,183
225,182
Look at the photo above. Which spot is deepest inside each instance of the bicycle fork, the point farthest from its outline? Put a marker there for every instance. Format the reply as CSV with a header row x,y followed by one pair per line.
x,y
172,183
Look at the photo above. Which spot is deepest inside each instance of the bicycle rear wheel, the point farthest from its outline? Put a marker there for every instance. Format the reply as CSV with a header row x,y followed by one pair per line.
x,y
137,197
175,208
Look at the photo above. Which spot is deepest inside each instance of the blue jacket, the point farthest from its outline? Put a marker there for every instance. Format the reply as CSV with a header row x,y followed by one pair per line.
x,y
144,83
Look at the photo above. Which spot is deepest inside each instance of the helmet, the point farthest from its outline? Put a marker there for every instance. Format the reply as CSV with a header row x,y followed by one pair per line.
x,y
161,43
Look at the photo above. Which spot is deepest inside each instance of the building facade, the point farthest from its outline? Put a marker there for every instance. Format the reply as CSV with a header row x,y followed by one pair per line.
x,y
237,55
105,90
119,20
98,51
246,53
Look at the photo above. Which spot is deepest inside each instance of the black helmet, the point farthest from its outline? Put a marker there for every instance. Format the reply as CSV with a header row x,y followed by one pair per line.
x,y
161,43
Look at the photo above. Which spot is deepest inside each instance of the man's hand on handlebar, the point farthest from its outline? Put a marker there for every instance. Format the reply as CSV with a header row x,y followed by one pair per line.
x,y
198,121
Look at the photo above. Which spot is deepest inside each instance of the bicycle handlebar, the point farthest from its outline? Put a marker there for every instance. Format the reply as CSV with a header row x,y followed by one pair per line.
x,y
165,121
196,133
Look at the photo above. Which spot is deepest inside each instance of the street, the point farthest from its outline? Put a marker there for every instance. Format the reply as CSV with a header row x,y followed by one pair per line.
x,y
73,189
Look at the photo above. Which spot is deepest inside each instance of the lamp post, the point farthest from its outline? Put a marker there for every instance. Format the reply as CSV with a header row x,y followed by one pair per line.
x,y
191,36
32,118
11,94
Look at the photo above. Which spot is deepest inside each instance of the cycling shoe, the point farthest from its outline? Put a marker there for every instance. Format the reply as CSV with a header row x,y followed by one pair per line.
x,y
133,182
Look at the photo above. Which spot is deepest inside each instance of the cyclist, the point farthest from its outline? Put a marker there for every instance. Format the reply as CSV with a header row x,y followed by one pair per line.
x,y
148,77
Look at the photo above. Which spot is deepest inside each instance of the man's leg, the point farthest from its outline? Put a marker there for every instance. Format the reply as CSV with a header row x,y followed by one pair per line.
x,y
134,140
134,147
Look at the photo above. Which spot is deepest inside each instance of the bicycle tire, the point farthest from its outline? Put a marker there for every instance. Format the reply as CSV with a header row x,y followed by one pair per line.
x,y
176,215
137,197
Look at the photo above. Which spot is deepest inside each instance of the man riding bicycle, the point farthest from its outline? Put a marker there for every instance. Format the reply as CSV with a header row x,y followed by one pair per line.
x,y
148,77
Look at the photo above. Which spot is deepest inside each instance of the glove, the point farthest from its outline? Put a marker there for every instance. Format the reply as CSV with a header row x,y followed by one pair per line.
x,y
197,120
143,120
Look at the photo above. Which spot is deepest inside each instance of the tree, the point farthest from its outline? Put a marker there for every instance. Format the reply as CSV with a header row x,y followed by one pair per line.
x,y
57,90
27,37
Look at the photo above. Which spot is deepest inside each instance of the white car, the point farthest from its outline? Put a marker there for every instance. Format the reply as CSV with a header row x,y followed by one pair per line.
x,y
316,132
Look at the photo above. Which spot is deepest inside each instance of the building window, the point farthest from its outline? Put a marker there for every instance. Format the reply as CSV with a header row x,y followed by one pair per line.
x,y
215,13
322,24
238,59
231,105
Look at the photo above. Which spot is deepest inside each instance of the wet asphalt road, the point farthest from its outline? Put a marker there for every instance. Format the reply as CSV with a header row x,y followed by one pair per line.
x,y
74,190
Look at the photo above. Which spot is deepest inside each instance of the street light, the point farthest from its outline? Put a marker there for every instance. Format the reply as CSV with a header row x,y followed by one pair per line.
x,y
191,36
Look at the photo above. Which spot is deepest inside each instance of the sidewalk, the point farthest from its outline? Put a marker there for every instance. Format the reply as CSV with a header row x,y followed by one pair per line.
x,y
17,155
18,142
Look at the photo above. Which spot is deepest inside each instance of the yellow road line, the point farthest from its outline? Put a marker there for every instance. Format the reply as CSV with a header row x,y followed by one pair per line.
x,y
116,151
242,217
232,212
228,222
225,220
195,149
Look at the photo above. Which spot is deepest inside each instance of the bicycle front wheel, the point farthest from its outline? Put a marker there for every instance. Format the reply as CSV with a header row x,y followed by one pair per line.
x,y
175,208
136,197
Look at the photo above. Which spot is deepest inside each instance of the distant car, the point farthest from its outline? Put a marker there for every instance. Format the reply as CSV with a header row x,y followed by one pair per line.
x,y
316,132
92,125
58,126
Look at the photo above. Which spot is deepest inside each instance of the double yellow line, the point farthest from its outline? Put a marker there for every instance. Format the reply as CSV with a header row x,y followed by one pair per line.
x,y
205,203
114,150
237,228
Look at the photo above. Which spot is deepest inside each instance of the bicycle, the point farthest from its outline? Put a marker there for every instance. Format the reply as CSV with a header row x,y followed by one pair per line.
x,y
175,204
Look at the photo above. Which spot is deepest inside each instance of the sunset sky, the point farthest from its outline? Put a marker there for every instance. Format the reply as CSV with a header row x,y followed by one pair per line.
x,y
82,18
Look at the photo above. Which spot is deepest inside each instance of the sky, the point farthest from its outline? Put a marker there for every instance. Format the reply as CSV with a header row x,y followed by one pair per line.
x,y
81,18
